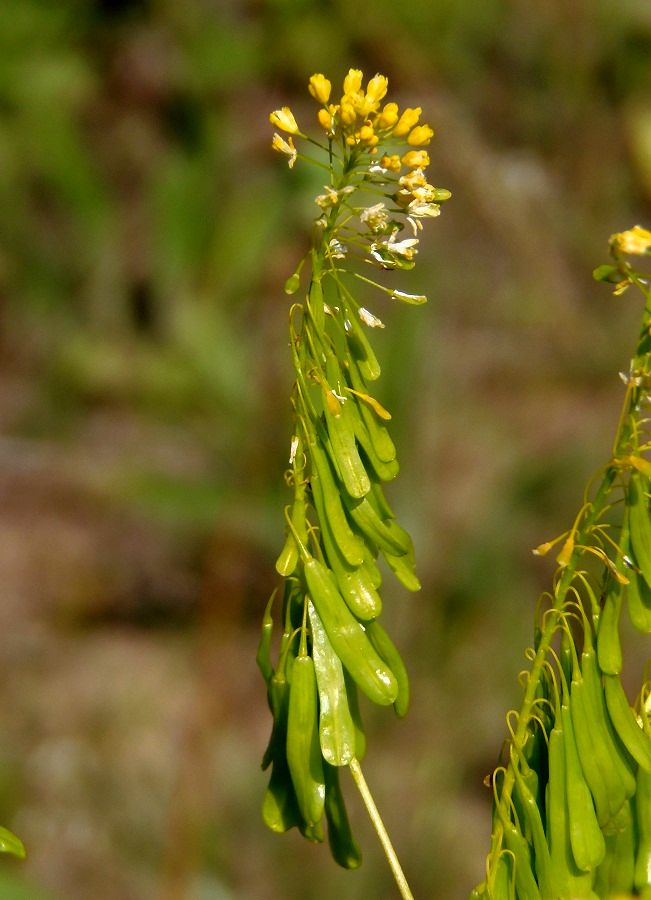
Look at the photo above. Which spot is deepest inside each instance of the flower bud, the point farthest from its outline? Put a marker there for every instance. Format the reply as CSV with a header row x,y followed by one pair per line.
x,y
406,122
420,136
320,87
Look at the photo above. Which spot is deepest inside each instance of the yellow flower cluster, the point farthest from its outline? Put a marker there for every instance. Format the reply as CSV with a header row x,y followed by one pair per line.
x,y
636,240
360,119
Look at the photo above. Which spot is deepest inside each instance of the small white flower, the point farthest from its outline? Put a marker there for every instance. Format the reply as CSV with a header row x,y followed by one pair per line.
x,y
376,217
369,319
331,196
405,248
337,249
420,209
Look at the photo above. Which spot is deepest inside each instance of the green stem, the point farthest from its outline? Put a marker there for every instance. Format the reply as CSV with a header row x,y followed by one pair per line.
x,y
625,432
378,824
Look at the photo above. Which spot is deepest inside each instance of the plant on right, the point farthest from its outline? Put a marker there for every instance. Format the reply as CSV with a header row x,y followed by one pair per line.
x,y
572,793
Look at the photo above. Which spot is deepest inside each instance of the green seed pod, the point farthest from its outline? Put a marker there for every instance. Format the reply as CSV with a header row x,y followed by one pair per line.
x,y
336,729
618,774
342,448
638,597
350,545
591,756
348,638
625,722
389,653
303,750
586,839
356,584
404,568
374,529
288,556
360,348
501,883
353,705
567,880
263,656
383,446
531,814
343,846
642,873
614,877
609,648
279,807
525,883
639,522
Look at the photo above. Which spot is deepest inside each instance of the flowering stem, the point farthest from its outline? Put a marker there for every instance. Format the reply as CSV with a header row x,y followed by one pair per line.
x,y
625,435
378,824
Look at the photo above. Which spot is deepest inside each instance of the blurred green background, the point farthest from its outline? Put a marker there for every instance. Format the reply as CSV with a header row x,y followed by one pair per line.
x,y
146,230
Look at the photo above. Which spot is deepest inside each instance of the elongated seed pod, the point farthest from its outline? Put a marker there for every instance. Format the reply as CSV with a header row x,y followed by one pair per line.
x,y
404,568
345,455
279,807
350,545
371,526
389,653
609,648
525,883
614,876
642,873
639,522
531,812
356,584
586,839
356,715
383,446
590,754
343,846
625,722
377,468
619,766
263,656
567,880
360,347
303,750
638,599
336,729
348,638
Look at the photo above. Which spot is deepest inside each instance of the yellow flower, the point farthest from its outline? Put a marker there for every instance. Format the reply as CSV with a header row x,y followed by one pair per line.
x,y
320,87
367,135
392,163
348,114
388,117
420,136
636,240
287,147
416,159
353,81
284,119
406,122
326,118
376,88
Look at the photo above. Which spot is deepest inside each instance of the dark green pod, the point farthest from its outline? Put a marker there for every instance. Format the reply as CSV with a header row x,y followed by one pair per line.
x,y
303,749
343,846
389,653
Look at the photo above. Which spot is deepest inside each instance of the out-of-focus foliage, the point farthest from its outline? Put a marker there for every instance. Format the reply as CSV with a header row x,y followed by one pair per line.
x,y
146,229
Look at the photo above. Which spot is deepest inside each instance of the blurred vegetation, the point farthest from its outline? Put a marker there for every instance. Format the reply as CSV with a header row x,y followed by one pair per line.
x,y
146,230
